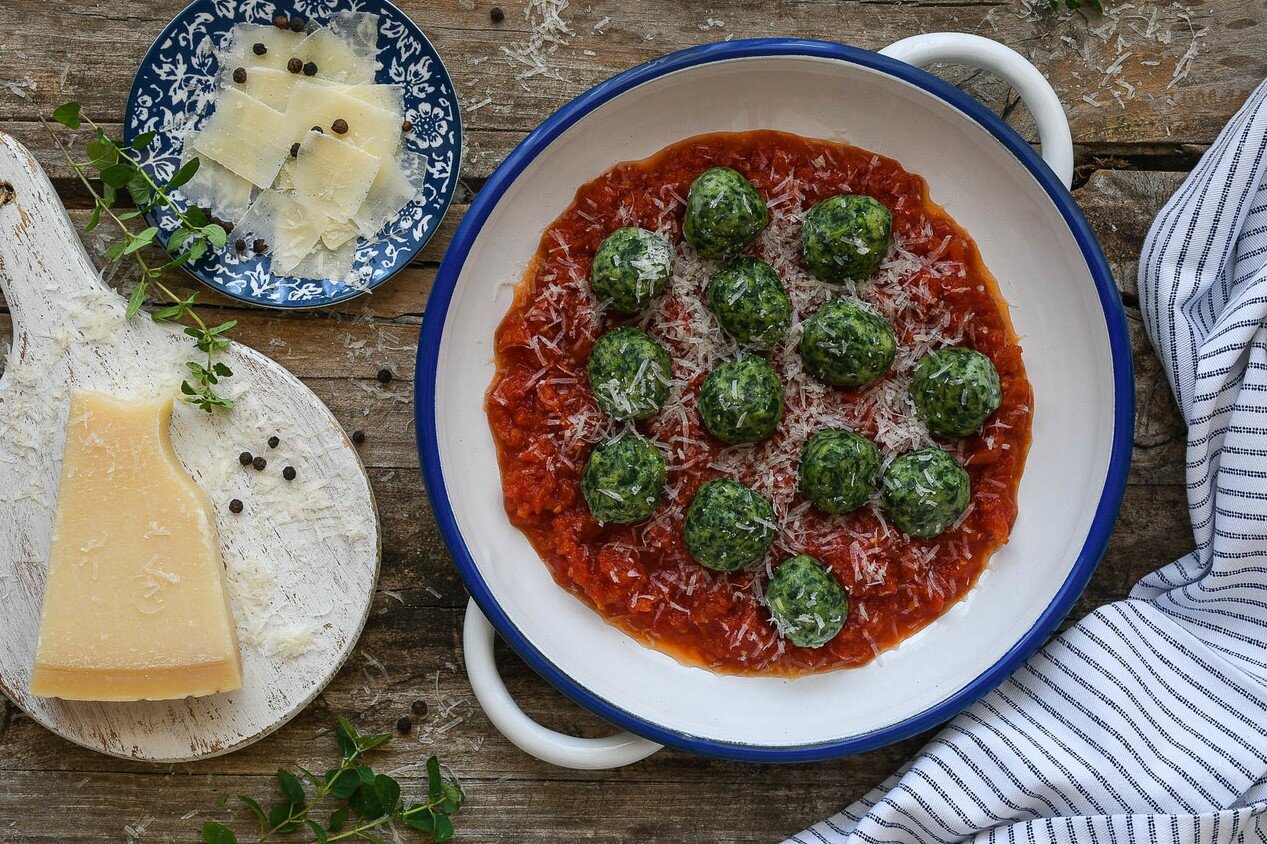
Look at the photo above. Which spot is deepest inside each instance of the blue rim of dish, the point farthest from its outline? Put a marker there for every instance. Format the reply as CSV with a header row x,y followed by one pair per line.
x,y
1124,395
437,207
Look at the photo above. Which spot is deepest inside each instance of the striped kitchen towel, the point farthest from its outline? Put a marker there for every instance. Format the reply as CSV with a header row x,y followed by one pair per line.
x,y
1146,721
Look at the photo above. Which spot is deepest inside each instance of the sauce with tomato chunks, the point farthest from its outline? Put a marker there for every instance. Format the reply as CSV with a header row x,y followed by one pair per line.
x,y
934,290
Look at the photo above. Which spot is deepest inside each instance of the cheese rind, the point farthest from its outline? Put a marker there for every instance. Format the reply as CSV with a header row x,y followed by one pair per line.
x,y
136,604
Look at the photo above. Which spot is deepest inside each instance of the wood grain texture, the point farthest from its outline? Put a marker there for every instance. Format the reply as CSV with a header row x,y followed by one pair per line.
x,y
298,543
415,620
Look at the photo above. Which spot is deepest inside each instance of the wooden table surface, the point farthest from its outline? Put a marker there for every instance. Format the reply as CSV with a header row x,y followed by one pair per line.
x,y
1147,88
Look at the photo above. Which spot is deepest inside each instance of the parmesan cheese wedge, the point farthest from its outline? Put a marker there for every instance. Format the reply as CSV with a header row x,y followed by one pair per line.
x,y
338,233
270,86
332,176
136,606
245,136
328,264
216,187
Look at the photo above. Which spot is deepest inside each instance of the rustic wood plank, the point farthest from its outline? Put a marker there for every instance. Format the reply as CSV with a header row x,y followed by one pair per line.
x,y
1155,105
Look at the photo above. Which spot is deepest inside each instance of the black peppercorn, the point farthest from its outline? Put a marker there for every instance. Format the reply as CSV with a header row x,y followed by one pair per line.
x,y
497,14
296,24
340,126
274,442
358,437
404,725
419,708
295,65
239,75
384,376
406,126
245,458
310,69
289,473
258,48
259,246
235,506
294,150
318,130
259,463
281,21
227,226
239,245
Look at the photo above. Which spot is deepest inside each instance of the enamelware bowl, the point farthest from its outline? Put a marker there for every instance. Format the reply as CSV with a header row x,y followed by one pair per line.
x,y
1064,306
171,93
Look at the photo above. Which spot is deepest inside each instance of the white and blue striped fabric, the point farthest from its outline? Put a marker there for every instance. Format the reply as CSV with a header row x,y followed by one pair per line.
x,y
1147,721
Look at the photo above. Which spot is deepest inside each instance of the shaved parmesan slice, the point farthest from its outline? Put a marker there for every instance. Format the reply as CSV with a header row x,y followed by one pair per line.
x,y
335,58
387,97
279,45
245,136
375,130
270,86
286,176
359,30
395,186
289,227
332,176
215,187
327,264
338,233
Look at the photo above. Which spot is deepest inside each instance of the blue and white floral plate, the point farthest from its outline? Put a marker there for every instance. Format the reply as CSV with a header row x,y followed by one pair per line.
x,y
173,92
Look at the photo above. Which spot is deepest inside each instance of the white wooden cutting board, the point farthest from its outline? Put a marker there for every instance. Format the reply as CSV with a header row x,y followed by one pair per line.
x,y
302,557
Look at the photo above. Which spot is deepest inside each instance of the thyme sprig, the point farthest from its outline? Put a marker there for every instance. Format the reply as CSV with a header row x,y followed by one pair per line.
x,y
367,801
120,172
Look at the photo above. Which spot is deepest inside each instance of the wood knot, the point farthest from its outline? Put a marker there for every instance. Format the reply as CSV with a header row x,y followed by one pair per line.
x,y
7,194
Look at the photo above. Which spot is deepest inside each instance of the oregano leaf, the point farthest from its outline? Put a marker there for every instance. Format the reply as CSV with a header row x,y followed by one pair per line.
x,y
217,833
67,114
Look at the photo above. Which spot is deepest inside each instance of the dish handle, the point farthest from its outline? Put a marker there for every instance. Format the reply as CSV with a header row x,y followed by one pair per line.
x,y
1034,89
547,745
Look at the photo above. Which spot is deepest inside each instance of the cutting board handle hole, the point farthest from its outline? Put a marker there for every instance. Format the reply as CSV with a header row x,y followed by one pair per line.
x,y
7,194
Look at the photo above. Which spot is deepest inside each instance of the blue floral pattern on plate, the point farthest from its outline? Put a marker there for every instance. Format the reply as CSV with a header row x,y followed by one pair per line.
x,y
174,91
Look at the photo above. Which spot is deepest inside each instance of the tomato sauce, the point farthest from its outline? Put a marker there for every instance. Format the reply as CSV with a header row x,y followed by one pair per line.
x,y
935,291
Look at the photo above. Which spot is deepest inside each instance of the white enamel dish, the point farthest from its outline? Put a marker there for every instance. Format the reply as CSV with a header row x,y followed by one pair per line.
x,y
1064,307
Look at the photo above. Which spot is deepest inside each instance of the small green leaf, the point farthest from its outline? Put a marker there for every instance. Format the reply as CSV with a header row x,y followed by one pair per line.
x,y
67,114
101,153
195,217
365,773
222,327
142,140
420,818
256,809
94,219
388,792
187,389
216,234
115,252
318,831
178,239
116,175
127,215
337,820
286,781
185,173
216,833
139,241
444,828
435,783
136,300
343,783
108,196
345,737
366,803
453,796
224,372
197,249
279,818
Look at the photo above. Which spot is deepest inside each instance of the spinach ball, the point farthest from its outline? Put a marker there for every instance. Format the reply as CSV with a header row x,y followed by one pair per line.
x,y
623,480
846,345
839,470
724,213
807,604
742,400
956,390
629,374
630,268
925,491
751,303
728,525
845,238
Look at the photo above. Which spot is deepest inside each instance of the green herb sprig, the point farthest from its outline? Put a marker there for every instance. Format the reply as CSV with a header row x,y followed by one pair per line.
x,y
120,172
1074,5
366,801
